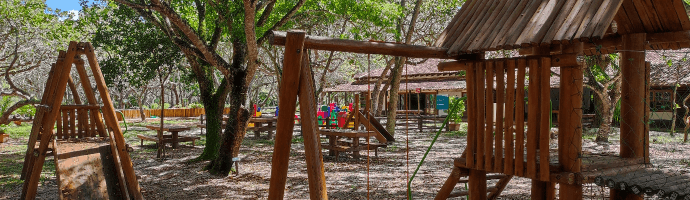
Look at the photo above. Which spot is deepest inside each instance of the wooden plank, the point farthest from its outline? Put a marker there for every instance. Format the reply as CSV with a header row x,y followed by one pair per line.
x,y
489,133
53,100
353,46
472,109
558,21
653,16
505,13
312,141
591,18
477,39
520,117
602,19
589,9
58,125
533,119
500,98
72,124
111,120
682,14
509,22
481,114
65,124
288,98
85,170
520,24
466,10
467,23
370,128
545,23
509,166
473,28
638,5
636,24
545,111
570,20
666,14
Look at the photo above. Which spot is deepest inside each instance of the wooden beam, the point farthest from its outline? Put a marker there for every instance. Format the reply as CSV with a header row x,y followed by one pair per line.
x,y
570,133
111,120
278,38
312,141
90,96
632,64
556,60
477,184
288,98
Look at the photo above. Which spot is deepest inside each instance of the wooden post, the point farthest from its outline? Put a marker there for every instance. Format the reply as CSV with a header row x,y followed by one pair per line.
x,y
355,111
570,128
520,118
33,171
510,107
111,121
288,98
472,116
312,141
488,135
480,95
632,143
500,98
90,96
477,184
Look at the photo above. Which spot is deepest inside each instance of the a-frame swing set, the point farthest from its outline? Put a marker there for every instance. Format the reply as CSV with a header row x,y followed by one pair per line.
x,y
91,157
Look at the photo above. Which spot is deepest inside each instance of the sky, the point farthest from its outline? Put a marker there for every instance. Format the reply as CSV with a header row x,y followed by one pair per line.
x,y
64,5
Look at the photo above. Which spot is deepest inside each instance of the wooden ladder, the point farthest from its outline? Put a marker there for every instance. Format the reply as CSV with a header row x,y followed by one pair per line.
x,y
460,175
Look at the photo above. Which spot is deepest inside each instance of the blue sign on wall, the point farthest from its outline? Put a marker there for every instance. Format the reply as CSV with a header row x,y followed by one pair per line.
x,y
442,102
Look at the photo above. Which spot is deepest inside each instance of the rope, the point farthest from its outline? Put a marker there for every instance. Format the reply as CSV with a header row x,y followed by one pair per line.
x,y
407,131
368,141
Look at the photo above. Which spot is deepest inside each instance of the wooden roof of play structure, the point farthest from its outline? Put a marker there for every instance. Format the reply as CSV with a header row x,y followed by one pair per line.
x,y
486,25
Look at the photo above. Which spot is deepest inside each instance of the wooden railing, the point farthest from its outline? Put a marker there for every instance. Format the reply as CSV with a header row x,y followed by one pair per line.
x,y
496,140
79,121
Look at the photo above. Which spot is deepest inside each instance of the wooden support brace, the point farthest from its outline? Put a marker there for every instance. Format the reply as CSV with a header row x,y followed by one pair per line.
x,y
294,44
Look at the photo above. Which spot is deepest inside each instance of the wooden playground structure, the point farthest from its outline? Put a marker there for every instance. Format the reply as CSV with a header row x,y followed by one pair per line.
x,y
91,157
549,33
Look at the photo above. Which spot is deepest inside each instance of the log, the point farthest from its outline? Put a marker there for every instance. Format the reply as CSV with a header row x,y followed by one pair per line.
x,y
278,38
312,141
472,116
288,99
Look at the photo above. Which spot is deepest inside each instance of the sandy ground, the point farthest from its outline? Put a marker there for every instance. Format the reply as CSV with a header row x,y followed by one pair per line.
x,y
176,178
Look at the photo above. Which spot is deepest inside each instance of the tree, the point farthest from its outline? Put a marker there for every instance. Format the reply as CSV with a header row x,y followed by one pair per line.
x,y
603,77
30,34
198,28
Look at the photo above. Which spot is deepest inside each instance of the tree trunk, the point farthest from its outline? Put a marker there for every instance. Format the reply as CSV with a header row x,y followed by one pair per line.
x,y
607,120
686,118
141,98
396,74
4,119
161,144
214,118
235,129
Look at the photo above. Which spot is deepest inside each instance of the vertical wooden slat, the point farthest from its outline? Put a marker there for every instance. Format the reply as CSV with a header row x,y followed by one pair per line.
x,y
545,126
59,125
72,123
80,123
489,134
294,43
509,168
570,128
65,124
90,97
472,115
481,89
498,141
520,118
532,118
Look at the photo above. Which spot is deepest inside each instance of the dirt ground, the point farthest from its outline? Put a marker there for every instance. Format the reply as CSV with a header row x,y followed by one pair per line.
x,y
177,178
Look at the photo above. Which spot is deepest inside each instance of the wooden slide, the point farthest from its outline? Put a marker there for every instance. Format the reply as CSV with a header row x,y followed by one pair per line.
x,y
86,170
371,123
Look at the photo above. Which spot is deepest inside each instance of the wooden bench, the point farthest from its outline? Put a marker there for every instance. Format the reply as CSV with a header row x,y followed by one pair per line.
x,y
336,146
167,139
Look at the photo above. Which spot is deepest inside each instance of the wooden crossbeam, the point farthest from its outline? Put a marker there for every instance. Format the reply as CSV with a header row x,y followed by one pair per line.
x,y
278,38
556,60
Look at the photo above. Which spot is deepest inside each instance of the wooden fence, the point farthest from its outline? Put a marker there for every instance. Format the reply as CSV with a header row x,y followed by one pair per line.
x,y
170,112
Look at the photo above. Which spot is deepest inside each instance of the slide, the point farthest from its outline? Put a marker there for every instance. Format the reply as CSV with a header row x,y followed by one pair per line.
x,y
382,134
86,170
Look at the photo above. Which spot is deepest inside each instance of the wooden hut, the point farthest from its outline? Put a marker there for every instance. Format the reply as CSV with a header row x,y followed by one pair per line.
x,y
419,86
550,33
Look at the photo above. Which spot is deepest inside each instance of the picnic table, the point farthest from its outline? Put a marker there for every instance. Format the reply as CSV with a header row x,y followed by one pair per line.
x,y
335,146
261,124
173,138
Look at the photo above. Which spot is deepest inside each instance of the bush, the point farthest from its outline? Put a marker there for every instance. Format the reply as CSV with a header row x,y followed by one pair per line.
x,y
456,108
195,105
